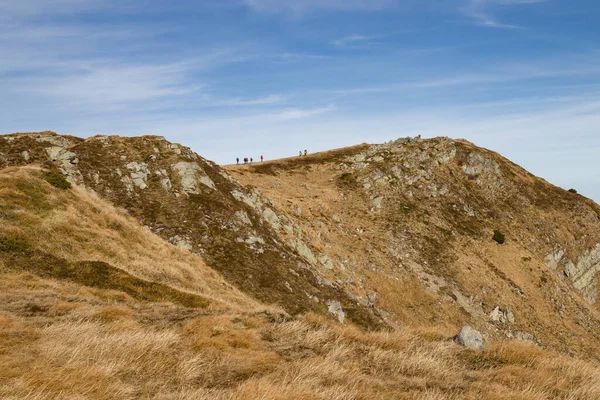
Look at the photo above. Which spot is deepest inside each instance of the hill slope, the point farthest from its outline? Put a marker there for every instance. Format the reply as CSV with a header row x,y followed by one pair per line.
x,y
194,204
406,227
95,304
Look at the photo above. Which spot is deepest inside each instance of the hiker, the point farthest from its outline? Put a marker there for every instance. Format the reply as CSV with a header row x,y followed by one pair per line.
x,y
245,160
251,160
237,160
300,153
305,153
261,158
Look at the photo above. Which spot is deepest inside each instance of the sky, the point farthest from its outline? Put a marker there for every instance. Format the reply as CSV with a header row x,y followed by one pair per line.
x,y
244,78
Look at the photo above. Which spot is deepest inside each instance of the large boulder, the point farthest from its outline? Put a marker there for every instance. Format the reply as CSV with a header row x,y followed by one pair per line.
x,y
469,338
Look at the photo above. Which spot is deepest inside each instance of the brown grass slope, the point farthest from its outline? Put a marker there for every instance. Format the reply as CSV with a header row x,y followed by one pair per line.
x,y
408,229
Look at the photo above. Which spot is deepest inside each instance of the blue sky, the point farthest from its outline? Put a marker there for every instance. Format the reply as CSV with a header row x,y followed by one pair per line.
x,y
249,77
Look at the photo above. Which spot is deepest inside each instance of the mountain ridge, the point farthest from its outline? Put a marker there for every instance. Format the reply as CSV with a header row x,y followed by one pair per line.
x,y
429,208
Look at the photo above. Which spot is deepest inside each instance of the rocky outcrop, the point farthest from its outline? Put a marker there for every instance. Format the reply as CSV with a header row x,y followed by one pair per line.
x,y
191,174
583,273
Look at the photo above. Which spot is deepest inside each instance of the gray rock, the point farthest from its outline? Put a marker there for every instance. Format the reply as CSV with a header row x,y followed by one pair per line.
x,y
337,219
139,174
510,317
469,338
497,315
243,217
271,217
189,183
335,307
303,250
377,202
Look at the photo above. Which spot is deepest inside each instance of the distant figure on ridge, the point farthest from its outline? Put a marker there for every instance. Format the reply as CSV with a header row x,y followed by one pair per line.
x,y
305,153
245,160
237,160
300,153
261,158
251,160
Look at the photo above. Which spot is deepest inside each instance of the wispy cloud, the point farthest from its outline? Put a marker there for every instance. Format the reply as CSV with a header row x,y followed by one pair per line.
x,y
299,7
481,11
114,86
261,101
496,75
352,39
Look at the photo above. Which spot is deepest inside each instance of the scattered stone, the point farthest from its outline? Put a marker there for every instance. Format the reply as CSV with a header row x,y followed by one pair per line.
x,y
181,242
469,211
255,239
469,338
510,317
497,315
377,202
337,219
139,174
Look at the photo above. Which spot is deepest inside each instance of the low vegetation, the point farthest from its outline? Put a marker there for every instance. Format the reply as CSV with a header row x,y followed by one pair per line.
x,y
57,180
498,237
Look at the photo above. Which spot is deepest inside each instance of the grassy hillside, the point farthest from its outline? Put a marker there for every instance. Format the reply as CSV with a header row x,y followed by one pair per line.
x,y
96,305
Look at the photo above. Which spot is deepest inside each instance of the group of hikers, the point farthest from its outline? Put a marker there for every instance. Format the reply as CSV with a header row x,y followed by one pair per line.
x,y
251,160
248,160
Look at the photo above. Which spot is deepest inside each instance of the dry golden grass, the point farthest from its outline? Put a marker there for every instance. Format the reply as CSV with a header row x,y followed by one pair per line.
x,y
97,349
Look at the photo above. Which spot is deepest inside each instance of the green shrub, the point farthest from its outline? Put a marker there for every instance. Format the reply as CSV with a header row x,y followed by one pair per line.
x,y
498,237
572,191
13,245
57,180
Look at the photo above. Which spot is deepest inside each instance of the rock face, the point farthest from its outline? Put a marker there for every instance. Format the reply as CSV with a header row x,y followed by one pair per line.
x,y
469,338
583,273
